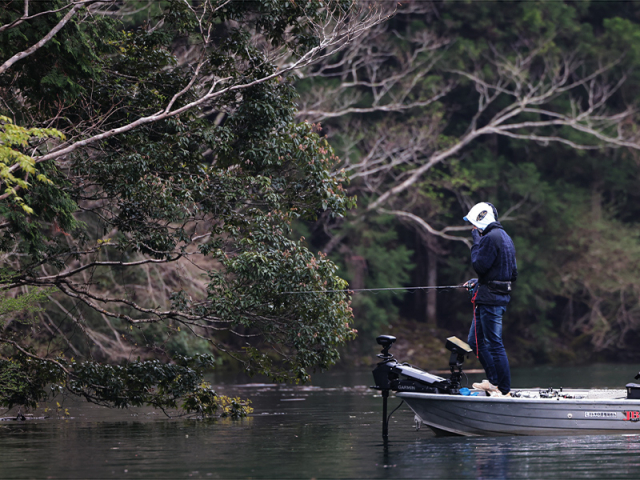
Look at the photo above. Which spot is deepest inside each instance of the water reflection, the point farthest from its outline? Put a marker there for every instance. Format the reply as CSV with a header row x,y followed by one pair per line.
x,y
518,457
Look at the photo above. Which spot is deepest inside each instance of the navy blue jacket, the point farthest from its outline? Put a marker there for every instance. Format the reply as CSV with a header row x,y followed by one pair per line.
x,y
493,257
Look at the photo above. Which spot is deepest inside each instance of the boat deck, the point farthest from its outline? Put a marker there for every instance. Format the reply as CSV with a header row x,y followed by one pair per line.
x,y
564,394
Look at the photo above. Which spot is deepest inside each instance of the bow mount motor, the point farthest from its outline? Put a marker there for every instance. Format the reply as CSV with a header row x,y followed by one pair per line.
x,y
402,377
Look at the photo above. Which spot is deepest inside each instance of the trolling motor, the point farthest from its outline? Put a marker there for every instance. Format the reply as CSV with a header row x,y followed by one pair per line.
x,y
383,375
402,377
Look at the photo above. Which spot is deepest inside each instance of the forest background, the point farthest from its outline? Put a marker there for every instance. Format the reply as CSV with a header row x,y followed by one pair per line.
x,y
170,168
402,113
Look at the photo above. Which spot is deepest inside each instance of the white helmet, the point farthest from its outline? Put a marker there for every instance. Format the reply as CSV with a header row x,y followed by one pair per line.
x,y
481,215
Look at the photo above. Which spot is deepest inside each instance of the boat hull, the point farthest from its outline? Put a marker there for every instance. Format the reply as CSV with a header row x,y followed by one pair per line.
x,y
481,415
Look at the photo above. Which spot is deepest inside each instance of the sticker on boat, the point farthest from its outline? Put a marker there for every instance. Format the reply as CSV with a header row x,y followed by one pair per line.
x,y
600,414
632,416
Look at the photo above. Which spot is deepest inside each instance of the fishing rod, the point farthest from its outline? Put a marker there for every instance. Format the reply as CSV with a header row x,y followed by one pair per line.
x,y
355,290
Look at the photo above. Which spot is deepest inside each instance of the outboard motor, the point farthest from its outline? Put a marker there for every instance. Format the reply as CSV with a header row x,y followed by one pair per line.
x,y
402,377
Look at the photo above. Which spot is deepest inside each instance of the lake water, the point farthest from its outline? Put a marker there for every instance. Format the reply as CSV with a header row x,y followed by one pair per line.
x,y
329,429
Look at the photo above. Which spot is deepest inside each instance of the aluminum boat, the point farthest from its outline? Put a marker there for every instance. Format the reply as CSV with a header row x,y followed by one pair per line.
x,y
448,409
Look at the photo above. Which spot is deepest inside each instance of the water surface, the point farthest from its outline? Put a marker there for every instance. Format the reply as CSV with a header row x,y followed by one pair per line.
x,y
329,429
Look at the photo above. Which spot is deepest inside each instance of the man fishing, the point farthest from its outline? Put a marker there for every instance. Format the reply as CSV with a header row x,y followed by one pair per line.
x,y
493,257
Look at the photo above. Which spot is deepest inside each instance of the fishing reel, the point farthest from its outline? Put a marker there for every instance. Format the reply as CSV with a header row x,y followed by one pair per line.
x,y
472,287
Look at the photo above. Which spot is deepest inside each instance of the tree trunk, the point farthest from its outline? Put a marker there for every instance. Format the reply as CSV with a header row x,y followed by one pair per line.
x,y
432,280
596,200
357,266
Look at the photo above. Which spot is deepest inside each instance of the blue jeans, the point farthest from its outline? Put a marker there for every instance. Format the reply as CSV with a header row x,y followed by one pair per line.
x,y
488,330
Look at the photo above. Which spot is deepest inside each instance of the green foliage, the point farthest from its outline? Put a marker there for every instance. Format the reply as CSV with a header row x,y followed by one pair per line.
x,y
24,303
28,380
24,382
13,141
63,69
572,213
212,191
376,259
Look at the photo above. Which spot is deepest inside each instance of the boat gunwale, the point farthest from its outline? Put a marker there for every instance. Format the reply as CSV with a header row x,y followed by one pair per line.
x,y
520,400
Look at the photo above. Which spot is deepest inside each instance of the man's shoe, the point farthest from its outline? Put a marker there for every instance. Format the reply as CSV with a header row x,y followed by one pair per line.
x,y
499,394
486,385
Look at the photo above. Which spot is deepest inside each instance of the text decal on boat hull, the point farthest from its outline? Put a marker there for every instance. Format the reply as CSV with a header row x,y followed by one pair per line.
x,y
600,414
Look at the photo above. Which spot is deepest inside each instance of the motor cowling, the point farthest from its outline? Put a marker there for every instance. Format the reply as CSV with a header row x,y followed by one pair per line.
x,y
412,379
384,375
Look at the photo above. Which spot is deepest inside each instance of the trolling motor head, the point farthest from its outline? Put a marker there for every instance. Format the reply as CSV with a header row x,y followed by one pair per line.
x,y
386,341
382,374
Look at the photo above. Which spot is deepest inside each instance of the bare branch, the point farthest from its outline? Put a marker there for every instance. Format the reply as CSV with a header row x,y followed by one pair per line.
x,y
425,226
336,33
25,17
44,40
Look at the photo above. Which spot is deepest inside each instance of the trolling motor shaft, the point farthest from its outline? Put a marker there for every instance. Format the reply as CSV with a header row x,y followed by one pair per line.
x,y
383,375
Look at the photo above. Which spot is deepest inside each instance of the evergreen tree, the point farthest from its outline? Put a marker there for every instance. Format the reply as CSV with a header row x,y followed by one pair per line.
x,y
151,174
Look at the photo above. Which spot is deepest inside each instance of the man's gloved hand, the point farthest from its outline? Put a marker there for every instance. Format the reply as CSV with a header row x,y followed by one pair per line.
x,y
470,283
472,286
475,234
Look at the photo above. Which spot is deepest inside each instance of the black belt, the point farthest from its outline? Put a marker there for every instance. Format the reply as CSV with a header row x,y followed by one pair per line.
x,y
496,286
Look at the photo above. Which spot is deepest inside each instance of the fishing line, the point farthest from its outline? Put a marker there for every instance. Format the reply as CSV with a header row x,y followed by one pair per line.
x,y
356,290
